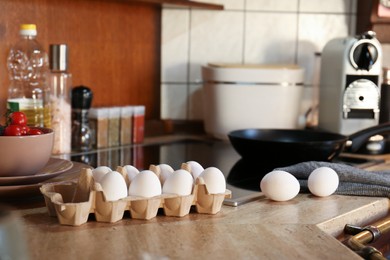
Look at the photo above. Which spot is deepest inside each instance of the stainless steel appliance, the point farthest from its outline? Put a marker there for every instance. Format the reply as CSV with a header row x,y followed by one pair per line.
x,y
349,84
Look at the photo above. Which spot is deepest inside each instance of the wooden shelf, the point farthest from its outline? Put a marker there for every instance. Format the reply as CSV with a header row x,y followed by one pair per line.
x,y
184,3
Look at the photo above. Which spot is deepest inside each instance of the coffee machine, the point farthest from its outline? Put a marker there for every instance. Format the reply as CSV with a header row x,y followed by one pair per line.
x,y
349,95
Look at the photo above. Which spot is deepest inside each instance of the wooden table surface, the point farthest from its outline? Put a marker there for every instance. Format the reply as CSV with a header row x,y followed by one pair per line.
x,y
303,228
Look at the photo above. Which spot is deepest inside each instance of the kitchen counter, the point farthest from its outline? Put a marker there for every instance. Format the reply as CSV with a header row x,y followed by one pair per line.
x,y
303,228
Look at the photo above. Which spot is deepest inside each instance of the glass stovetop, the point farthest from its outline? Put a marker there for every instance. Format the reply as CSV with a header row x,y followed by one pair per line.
x,y
242,177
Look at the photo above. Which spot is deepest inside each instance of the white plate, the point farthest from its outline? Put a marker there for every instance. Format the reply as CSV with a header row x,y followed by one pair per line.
x,y
31,190
53,168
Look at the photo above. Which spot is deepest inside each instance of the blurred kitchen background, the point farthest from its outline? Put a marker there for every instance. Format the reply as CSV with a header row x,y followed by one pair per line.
x,y
150,53
247,31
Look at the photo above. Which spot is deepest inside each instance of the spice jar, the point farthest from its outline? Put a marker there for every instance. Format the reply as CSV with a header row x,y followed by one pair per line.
x,y
138,124
114,114
98,121
126,125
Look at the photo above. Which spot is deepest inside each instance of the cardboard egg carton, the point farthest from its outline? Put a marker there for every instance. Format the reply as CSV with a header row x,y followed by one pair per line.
x,y
72,202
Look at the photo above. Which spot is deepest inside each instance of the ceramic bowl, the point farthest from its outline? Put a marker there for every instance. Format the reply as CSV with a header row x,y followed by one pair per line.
x,y
25,155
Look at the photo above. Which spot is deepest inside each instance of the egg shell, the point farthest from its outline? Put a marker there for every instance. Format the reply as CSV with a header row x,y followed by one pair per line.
x,y
196,169
214,180
99,172
323,181
114,186
279,186
165,171
180,182
131,171
145,184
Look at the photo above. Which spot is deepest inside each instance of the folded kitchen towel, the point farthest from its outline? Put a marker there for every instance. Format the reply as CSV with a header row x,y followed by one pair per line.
x,y
352,180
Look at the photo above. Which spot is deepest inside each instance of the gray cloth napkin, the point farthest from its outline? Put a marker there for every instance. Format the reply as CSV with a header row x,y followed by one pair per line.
x,y
352,180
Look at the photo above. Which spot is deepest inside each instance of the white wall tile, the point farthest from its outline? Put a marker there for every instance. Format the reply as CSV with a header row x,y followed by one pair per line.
x,y
174,101
354,6
195,108
174,45
323,27
270,38
250,31
386,55
328,6
267,5
215,37
352,24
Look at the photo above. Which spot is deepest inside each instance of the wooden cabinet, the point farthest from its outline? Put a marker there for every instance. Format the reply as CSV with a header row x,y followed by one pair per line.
x,y
114,45
374,15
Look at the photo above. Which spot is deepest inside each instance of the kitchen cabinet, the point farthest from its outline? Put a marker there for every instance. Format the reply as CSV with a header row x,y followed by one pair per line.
x,y
114,46
374,15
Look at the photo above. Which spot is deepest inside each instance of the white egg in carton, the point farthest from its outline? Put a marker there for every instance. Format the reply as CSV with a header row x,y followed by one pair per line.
x,y
72,202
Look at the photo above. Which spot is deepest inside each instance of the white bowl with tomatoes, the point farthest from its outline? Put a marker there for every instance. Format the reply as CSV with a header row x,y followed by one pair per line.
x,y
24,150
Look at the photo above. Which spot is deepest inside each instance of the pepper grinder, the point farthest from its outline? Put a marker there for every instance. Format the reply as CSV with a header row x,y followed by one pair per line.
x,y
82,138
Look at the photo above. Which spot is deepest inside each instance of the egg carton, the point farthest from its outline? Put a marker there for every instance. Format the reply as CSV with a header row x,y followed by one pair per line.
x,y
72,202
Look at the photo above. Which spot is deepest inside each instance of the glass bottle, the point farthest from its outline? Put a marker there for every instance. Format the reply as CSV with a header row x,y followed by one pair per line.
x,y
60,83
82,137
27,64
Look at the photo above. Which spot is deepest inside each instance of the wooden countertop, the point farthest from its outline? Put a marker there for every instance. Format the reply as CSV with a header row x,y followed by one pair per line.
x,y
303,228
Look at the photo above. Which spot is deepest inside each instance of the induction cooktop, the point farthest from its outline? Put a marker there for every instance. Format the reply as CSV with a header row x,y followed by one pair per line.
x,y
242,177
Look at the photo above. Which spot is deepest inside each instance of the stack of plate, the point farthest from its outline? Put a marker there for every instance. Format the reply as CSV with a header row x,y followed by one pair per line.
x,y
56,170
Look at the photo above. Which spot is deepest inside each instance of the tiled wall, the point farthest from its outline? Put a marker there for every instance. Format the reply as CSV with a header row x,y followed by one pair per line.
x,y
247,31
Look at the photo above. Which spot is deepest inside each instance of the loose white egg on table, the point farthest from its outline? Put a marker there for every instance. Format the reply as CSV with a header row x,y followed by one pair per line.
x,y
114,186
196,168
279,186
180,182
145,184
99,172
323,181
131,171
165,171
214,180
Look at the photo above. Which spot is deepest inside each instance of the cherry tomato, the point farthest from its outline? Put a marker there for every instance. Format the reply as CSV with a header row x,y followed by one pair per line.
x,y
18,118
13,130
25,129
35,131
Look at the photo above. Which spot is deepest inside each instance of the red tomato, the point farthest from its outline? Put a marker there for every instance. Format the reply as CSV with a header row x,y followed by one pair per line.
x,y
18,118
35,131
25,129
13,130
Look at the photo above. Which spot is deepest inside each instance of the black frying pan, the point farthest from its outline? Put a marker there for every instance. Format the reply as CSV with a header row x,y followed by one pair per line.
x,y
293,146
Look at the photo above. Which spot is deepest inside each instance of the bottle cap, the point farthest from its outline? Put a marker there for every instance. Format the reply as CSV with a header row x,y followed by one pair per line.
x,y
81,97
58,55
28,30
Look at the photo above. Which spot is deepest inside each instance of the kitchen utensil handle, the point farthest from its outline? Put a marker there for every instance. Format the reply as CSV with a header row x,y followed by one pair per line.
x,y
356,140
